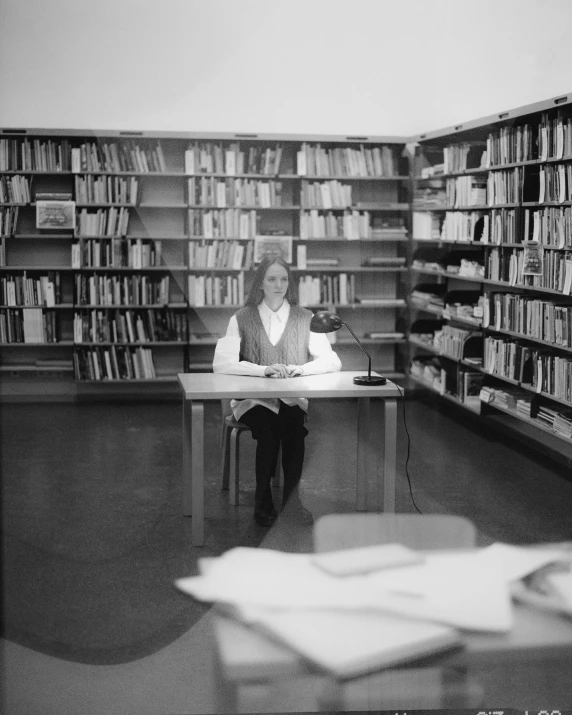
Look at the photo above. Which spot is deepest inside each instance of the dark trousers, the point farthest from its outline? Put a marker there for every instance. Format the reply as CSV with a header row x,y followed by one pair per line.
x,y
270,430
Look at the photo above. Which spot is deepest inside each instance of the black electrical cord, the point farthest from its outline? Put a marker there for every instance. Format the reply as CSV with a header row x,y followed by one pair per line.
x,y
402,390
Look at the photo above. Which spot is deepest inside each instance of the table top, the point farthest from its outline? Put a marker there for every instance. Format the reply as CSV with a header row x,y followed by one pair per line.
x,y
217,386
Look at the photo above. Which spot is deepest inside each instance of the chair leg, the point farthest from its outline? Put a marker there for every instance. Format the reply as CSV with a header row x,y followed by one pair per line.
x,y
225,445
234,462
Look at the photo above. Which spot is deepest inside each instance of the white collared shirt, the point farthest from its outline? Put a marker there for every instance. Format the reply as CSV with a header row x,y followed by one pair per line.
x,y
227,354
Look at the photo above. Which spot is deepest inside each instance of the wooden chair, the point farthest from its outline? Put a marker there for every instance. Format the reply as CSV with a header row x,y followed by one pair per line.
x,y
414,688
231,429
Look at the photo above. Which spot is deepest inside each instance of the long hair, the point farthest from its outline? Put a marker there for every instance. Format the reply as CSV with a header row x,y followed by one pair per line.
x,y
256,294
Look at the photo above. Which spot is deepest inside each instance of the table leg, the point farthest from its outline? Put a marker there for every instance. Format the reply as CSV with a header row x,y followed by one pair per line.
x,y
187,451
389,457
198,473
362,452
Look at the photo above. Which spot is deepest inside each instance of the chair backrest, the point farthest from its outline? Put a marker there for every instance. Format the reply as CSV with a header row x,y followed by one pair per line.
x,y
418,531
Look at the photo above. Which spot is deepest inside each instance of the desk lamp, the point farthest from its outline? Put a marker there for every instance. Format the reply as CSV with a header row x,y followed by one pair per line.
x,y
325,322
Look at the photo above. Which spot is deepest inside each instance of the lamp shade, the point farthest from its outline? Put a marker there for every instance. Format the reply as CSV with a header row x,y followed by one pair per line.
x,y
325,322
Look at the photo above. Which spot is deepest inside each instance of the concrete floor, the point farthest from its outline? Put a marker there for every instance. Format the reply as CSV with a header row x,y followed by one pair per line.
x,y
93,540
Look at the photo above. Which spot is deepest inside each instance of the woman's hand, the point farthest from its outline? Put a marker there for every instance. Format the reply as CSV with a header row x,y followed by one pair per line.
x,y
276,370
295,370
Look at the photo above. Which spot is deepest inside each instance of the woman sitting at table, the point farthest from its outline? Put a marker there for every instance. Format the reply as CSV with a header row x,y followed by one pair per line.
x,y
271,337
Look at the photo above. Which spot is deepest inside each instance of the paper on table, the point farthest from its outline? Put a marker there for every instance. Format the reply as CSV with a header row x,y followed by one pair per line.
x,y
350,644
349,562
516,562
272,578
448,588
562,585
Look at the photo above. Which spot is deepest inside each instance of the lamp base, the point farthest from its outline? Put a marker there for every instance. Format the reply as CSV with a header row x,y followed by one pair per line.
x,y
371,380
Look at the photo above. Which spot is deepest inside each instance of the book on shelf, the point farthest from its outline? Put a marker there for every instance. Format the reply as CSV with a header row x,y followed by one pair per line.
x,y
380,335
385,261
322,261
53,196
381,301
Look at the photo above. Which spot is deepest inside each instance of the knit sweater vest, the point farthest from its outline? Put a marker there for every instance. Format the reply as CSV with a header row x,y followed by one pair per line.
x,y
291,349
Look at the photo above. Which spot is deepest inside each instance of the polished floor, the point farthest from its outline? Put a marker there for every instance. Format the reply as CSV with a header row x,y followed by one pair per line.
x,y
93,540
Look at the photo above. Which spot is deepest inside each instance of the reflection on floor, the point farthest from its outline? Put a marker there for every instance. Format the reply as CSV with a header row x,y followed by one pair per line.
x,y
94,539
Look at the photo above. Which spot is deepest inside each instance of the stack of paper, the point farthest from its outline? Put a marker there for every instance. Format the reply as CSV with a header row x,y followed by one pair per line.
x,y
357,610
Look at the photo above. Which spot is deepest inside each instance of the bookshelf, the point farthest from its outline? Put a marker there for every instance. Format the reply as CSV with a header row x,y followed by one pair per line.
x,y
138,279
492,266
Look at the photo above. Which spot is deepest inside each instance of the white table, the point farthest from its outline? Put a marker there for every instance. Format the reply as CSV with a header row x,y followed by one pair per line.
x,y
199,387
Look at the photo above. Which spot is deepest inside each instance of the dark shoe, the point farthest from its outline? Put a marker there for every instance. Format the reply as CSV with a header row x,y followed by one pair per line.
x,y
265,518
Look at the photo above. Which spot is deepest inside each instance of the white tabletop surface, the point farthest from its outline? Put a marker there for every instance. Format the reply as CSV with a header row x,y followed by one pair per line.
x,y
211,386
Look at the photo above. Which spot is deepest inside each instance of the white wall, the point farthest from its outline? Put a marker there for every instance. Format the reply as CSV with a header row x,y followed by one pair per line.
x,y
389,67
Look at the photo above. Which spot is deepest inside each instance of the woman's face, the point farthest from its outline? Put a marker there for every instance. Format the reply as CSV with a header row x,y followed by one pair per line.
x,y
275,283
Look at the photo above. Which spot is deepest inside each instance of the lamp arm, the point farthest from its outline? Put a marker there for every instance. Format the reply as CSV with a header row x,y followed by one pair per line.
x,y
362,349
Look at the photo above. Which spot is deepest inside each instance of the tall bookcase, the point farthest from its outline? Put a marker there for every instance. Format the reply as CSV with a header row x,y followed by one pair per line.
x,y
135,280
491,271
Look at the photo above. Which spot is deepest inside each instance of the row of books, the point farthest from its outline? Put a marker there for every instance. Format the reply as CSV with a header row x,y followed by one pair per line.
x,y
216,290
14,190
544,372
30,325
20,290
510,145
460,226
113,157
450,341
35,155
532,317
511,398
332,289
554,136
103,222
500,227
552,374
106,189
506,358
221,254
466,191
8,221
352,225
326,194
114,363
208,191
555,183
505,187
550,226
121,290
221,223
554,270
231,159
508,397
117,253
129,326
316,160
426,225
460,157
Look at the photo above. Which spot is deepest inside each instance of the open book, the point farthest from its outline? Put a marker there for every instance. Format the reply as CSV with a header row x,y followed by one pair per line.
x,y
349,644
